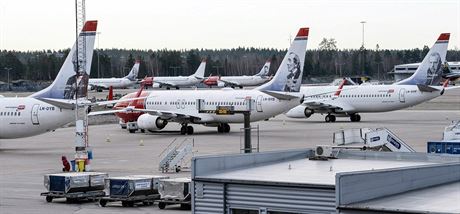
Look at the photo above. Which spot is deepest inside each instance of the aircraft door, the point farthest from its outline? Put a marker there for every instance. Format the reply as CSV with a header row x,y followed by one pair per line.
x,y
259,103
34,114
178,104
402,95
183,104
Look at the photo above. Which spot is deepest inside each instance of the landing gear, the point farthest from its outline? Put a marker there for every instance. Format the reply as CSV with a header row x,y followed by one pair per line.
x,y
223,128
177,87
329,118
355,117
186,129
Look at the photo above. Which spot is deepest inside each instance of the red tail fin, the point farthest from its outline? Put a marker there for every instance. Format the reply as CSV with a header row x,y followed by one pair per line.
x,y
110,97
138,94
339,90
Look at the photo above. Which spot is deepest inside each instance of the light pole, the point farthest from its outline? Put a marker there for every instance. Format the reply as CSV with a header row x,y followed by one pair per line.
x,y
362,52
98,64
362,44
8,72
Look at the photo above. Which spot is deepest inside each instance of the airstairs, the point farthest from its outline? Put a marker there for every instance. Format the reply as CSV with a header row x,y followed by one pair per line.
x,y
452,132
379,139
177,155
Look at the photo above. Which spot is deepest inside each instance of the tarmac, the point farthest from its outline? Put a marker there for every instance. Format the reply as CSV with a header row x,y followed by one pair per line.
x,y
23,162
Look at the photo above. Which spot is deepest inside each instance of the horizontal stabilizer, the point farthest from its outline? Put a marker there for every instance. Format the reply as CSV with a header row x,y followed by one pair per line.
x,y
60,103
426,88
281,96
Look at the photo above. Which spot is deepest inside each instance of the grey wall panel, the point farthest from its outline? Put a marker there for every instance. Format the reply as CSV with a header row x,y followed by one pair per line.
x,y
355,187
208,198
298,200
205,165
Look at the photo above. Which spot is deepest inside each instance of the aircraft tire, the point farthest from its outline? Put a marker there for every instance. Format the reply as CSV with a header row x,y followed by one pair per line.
x,y
189,130
332,118
226,128
183,130
220,128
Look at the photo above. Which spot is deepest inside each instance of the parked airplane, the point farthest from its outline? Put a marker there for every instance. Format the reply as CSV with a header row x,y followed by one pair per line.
x,y
180,81
240,81
272,98
28,116
104,83
128,120
422,86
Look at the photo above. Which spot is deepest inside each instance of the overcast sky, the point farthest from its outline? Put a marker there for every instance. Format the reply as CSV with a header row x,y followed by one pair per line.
x,y
186,24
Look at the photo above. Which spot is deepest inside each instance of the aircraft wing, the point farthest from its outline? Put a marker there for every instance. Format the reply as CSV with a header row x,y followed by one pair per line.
x,y
100,85
230,83
94,113
177,116
327,105
452,75
167,115
165,83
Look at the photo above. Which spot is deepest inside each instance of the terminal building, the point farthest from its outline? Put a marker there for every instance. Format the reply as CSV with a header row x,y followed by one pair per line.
x,y
404,71
350,181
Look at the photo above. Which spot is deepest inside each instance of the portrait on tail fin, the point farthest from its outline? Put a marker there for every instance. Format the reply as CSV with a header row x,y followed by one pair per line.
x,y
81,77
294,70
434,72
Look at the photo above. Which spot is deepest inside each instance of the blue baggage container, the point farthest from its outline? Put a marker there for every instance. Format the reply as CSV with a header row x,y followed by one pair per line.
x,y
445,147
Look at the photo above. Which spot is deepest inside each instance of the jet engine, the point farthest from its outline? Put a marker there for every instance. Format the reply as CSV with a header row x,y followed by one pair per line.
x,y
150,122
220,84
300,112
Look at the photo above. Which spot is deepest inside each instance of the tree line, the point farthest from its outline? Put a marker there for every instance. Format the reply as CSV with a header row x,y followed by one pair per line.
x,y
327,60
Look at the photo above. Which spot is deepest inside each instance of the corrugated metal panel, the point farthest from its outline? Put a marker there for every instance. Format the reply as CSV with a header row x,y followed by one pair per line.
x,y
208,198
292,199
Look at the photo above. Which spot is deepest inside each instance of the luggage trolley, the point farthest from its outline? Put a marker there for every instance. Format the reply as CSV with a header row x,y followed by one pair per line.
x,y
131,190
74,186
175,191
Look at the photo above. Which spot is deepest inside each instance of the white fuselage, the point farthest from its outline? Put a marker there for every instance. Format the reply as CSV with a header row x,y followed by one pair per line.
x,y
114,82
175,81
24,117
366,98
245,80
264,107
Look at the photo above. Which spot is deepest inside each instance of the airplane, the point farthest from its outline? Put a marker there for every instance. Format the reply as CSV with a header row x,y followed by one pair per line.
x,y
29,116
128,120
240,81
180,81
351,100
278,95
104,83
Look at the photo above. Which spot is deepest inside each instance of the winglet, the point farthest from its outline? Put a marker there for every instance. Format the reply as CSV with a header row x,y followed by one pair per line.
x,y
339,90
444,37
90,26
